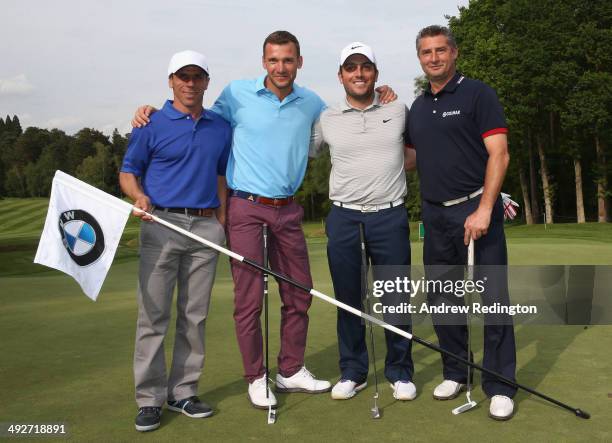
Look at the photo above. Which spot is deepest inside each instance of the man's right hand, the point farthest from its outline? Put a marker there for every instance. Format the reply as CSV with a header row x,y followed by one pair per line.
x,y
143,202
141,117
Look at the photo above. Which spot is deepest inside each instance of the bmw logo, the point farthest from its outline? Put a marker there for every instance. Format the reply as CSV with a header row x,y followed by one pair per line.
x,y
82,236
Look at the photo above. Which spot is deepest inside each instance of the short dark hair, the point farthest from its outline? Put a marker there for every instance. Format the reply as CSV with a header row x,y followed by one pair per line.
x,y
281,38
434,31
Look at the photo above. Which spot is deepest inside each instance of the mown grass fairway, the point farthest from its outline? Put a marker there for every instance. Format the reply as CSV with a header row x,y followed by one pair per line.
x,y
66,359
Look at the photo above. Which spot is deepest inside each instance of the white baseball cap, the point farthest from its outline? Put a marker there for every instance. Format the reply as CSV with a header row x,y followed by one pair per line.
x,y
357,48
186,58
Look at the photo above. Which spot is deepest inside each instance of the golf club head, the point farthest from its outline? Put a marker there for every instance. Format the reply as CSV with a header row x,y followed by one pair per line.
x,y
375,412
465,407
271,415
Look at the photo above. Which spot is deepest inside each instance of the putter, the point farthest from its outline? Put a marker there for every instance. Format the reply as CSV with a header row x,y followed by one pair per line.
x,y
470,272
375,412
320,295
271,411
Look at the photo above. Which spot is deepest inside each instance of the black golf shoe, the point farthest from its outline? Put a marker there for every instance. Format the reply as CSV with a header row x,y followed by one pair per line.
x,y
148,418
191,407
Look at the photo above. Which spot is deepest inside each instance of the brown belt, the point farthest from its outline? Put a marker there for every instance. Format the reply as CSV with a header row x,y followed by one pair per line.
x,y
198,212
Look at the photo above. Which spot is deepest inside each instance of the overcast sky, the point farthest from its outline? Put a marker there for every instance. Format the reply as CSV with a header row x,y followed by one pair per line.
x,y
71,64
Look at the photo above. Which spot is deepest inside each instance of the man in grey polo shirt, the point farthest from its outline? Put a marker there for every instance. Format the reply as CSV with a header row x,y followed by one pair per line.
x,y
367,185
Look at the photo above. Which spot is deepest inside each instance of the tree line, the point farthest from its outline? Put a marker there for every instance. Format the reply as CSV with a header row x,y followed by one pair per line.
x,y
549,61
28,159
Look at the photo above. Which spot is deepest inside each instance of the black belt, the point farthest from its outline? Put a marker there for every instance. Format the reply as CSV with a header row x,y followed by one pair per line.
x,y
263,200
198,212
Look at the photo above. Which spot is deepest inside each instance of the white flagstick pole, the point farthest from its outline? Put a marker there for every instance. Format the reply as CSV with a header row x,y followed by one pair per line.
x,y
578,412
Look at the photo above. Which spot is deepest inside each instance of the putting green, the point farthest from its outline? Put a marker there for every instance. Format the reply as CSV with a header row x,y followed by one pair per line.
x,y
67,359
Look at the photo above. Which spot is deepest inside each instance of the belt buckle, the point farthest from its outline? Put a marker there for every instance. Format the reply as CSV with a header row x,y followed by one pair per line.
x,y
369,208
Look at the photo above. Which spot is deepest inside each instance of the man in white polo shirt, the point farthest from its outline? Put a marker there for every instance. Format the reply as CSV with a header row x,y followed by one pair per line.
x,y
367,185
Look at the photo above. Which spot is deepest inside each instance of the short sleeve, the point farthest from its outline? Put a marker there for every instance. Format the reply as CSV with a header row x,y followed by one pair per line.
x,y
406,134
316,139
322,106
138,153
489,113
223,104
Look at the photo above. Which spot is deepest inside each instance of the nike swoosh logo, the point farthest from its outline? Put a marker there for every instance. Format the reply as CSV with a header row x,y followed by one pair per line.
x,y
355,47
388,120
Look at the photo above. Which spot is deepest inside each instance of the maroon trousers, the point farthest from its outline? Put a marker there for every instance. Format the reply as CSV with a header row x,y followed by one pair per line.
x,y
288,255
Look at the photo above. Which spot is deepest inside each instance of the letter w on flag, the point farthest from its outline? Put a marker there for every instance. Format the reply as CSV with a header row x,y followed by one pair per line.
x,y
82,231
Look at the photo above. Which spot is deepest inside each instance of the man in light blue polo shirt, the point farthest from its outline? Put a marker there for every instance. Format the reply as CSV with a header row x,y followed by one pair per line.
x,y
272,119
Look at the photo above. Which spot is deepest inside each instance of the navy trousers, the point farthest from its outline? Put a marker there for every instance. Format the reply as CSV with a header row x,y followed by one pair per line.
x,y
387,239
444,246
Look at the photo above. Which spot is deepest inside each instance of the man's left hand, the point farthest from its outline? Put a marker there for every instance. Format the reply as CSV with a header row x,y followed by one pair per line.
x,y
476,225
387,95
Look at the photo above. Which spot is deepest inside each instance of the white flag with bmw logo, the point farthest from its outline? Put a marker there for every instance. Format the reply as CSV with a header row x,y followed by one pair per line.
x,y
82,231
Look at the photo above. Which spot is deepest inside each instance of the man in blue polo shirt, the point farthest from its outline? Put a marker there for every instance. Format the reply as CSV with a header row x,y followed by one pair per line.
x,y
175,167
458,129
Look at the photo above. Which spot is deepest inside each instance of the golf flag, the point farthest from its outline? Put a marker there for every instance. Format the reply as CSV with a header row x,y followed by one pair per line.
x,y
82,231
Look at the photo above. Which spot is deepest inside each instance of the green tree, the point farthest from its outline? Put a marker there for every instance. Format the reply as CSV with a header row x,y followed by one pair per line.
x,y
40,175
15,183
314,192
588,112
82,146
28,146
16,126
99,170
413,196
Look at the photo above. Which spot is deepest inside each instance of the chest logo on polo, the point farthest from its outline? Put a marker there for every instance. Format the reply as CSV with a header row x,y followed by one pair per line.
x,y
450,113
82,236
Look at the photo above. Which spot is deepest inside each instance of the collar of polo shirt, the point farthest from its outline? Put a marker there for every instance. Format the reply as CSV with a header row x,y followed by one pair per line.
x,y
345,105
451,86
174,114
260,87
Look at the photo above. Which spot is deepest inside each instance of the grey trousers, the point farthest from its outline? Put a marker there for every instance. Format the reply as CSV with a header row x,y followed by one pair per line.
x,y
169,259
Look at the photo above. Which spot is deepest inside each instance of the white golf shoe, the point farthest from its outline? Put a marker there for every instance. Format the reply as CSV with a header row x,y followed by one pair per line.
x,y
501,408
404,390
302,381
345,389
447,390
257,394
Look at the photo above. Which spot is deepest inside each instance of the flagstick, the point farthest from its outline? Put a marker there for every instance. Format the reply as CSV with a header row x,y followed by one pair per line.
x,y
578,412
